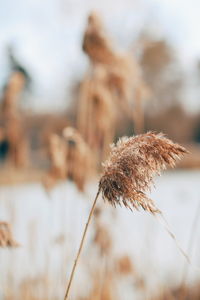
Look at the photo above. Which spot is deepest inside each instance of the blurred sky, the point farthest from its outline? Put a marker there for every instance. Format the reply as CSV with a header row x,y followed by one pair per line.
x,y
46,39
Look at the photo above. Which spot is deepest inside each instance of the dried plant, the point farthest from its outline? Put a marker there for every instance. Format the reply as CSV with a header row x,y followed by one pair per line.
x,y
113,85
103,239
79,158
96,42
190,291
13,126
124,265
57,155
69,156
18,152
128,174
96,112
6,237
12,93
191,242
129,171
103,291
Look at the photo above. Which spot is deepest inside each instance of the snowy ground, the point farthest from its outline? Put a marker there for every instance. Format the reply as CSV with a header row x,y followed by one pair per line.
x,y
49,227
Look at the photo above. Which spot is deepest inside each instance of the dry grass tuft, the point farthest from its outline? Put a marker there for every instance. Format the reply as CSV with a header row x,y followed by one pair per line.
x,y
103,239
122,76
12,93
124,265
57,155
133,162
112,90
96,111
70,157
6,237
186,292
96,43
80,159
13,127
104,290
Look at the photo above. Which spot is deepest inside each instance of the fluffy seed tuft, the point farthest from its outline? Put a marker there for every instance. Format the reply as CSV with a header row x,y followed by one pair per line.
x,y
129,171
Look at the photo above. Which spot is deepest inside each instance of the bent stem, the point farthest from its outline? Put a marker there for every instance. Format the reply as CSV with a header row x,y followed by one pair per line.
x,y
81,245
164,222
190,245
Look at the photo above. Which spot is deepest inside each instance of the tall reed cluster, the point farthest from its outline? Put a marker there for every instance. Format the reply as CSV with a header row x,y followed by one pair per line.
x,y
112,85
70,157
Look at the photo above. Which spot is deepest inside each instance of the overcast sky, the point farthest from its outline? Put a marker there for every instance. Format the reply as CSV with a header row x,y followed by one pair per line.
x,y
46,38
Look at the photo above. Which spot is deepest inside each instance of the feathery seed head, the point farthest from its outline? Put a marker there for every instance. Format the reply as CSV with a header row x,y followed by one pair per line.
x,y
133,163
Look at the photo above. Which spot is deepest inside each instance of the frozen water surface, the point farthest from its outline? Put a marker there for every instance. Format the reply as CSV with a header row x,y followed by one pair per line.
x,y
49,226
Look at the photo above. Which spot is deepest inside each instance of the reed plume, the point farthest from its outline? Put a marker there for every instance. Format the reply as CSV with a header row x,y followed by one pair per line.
x,y
128,174
130,169
69,157
6,237
113,87
79,158
96,42
96,119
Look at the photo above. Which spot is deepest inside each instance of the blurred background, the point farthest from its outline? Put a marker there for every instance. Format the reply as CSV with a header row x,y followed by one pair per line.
x,y
75,76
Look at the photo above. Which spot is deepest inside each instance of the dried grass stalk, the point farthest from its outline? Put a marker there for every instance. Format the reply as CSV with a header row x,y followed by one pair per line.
x,y
79,158
14,131
113,85
18,152
70,157
57,155
124,265
129,171
103,239
116,69
97,112
96,42
12,92
6,237
128,174
103,288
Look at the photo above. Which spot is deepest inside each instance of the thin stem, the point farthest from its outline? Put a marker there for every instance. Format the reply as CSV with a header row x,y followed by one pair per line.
x,y
167,228
81,245
191,242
